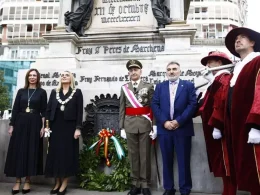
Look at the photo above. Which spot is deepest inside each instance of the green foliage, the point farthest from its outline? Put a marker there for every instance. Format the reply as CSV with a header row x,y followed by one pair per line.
x,y
92,176
4,98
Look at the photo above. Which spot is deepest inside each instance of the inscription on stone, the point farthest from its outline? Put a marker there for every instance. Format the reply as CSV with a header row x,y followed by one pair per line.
x,y
112,13
51,79
120,49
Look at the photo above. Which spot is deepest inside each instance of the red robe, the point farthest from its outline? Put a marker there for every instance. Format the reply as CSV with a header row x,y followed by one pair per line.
x,y
216,149
220,120
245,114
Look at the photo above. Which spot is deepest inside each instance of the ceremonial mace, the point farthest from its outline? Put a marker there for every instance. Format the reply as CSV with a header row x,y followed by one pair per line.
x,y
213,69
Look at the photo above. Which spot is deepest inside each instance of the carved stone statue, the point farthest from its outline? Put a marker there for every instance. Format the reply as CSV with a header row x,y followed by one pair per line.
x,y
78,20
161,13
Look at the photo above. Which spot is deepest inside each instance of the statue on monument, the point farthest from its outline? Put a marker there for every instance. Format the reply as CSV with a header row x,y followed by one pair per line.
x,y
161,13
78,20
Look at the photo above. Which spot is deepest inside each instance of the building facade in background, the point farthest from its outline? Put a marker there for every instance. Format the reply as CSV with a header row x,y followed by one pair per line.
x,y
215,18
10,69
22,24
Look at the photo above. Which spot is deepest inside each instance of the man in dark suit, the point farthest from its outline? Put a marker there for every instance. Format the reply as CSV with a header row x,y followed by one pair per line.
x,y
174,103
136,125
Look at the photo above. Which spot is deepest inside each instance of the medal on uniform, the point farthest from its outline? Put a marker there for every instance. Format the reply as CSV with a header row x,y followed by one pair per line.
x,y
62,107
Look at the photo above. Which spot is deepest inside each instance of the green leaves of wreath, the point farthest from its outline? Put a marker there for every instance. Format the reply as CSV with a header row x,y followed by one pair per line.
x,y
92,176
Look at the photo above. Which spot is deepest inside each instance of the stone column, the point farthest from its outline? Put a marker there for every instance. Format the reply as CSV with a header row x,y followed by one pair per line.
x,y
176,9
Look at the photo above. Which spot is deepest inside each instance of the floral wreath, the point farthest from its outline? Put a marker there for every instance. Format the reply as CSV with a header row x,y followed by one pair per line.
x,y
92,176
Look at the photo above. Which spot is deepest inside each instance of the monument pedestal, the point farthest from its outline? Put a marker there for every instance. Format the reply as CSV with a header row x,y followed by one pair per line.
x,y
177,38
121,31
61,53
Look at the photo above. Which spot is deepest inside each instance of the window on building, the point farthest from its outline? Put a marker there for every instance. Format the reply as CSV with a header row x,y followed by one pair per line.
x,y
219,31
204,9
23,30
16,32
36,29
14,54
205,29
29,28
218,12
55,25
5,13
31,13
56,12
18,13
10,30
43,12
42,29
212,30
11,13
9,87
197,9
224,13
37,12
50,12
48,27
9,72
24,13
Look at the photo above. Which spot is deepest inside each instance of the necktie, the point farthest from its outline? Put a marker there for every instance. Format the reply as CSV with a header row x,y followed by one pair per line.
x,y
135,86
172,97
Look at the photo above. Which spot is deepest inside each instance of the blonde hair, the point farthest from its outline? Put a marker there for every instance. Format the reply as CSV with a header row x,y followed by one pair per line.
x,y
72,81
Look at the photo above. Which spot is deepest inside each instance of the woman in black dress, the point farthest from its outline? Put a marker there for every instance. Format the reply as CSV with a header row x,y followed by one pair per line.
x,y
64,112
25,152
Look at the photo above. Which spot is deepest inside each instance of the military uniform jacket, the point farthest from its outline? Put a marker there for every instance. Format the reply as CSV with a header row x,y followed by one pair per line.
x,y
136,123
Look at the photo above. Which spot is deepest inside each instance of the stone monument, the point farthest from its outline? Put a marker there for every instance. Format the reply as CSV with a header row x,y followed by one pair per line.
x,y
119,30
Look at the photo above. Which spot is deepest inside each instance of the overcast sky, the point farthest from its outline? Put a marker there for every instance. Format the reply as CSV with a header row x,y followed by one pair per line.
x,y
253,14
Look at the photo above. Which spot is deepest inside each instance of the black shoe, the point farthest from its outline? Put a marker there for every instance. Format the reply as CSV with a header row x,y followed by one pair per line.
x,y
55,191
169,192
25,191
146,191
16,191
63,192
134,191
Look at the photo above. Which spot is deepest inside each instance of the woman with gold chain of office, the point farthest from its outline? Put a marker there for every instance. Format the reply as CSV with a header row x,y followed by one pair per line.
x,y
64,114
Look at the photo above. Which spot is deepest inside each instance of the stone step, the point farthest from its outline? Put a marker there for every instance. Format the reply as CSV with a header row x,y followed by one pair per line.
x,y
5,188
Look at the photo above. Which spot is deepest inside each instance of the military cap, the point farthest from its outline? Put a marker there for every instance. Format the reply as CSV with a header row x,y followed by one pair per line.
x,y
134,64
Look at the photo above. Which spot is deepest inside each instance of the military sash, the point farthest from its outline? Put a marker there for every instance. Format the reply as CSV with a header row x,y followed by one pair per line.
x,y
139,109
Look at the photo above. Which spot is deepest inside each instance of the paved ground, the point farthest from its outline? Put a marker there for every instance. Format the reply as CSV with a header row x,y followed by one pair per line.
x,y
5,189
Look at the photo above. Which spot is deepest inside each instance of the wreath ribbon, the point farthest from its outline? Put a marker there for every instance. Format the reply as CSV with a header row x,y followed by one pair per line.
x,y
105,135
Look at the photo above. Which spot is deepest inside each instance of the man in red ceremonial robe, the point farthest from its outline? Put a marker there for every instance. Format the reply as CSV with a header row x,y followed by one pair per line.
x,y
219,156
243,106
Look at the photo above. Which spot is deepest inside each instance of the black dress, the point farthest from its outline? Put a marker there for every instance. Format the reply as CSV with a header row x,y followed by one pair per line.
x,y
63,152
25,152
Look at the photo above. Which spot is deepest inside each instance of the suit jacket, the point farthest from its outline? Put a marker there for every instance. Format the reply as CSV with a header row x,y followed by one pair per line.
x,y
135,124
73,109
185,104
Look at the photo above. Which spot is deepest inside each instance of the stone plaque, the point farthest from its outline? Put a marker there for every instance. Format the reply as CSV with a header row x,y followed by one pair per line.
x,y
120,14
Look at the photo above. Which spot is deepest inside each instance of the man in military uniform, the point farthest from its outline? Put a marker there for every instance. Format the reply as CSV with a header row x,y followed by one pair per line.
x,y
136,125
